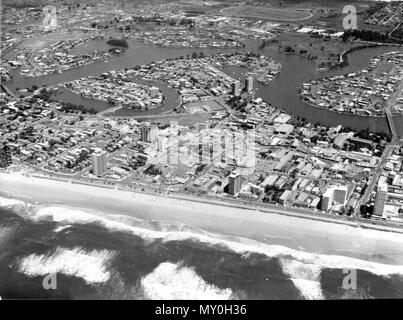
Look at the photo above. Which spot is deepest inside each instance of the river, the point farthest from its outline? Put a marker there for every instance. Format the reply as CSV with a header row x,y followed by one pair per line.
x,y
296,70
281,92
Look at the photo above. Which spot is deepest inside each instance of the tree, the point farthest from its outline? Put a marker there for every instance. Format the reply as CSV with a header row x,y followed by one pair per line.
x,y
289,49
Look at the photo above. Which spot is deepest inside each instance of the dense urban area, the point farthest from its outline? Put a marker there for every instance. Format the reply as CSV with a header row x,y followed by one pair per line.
x,y
196,123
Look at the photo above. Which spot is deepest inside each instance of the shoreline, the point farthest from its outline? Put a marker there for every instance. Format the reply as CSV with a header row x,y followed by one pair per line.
x,y
265,226
344,112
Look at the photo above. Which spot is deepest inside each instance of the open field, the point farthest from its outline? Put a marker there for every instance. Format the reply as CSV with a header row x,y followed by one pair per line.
x,y
45,40
324,51
264,12
185,119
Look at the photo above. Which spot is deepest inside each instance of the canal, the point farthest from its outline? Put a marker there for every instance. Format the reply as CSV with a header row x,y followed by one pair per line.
x,y
281,92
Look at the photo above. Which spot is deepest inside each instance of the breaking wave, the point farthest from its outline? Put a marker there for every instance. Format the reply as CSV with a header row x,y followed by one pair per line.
x,y
306,277
11,203
239,245
61,228
304,268
171,281
92,266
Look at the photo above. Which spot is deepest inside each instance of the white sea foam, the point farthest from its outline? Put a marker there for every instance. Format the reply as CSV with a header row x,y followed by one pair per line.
x,y
171,281
305,276
92,266
241,245
309,289
10,203
61,228
63,215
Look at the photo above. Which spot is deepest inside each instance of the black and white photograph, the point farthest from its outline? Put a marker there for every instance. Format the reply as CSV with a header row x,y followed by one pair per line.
x,y
217,150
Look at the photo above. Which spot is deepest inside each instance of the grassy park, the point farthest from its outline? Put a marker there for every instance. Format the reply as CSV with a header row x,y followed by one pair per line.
x,y
265,12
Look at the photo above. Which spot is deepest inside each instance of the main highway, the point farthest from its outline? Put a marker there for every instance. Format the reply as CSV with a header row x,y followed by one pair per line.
x,y
388,149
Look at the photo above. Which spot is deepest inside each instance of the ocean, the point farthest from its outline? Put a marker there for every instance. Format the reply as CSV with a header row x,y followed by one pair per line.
x,y
94,256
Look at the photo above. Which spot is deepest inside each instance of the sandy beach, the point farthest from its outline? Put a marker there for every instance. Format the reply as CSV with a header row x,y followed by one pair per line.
x,y
265,227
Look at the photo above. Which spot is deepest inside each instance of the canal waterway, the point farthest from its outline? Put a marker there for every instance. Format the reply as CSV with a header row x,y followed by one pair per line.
x,y
281,92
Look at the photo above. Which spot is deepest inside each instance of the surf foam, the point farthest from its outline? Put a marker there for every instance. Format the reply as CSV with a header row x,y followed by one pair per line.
x,y
92,266
61,228
242,246
11,203
306,277
171,281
